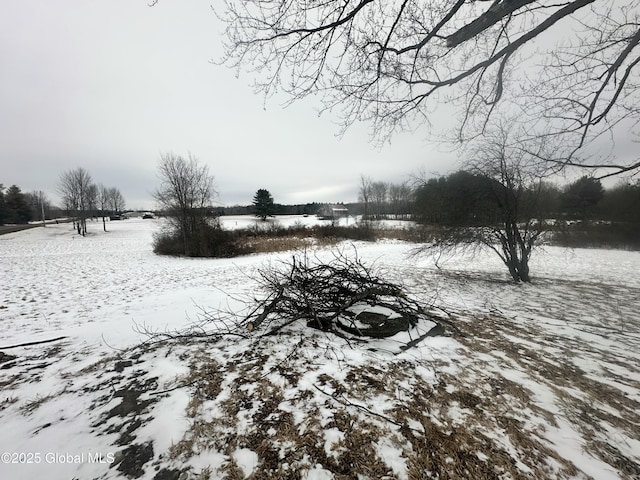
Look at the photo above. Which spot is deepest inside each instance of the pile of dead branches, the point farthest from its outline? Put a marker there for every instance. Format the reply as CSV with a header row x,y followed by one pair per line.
x,y
342,295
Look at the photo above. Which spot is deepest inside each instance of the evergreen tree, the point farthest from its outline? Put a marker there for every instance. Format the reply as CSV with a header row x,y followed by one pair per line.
x,y
16,206
263,205
582,196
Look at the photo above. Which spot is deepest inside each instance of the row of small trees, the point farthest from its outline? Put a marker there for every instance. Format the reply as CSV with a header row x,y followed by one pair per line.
x,y
382,199
82,198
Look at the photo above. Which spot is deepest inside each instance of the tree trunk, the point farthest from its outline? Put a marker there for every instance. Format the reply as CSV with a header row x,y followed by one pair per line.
x,y
513,270
519,269
524,269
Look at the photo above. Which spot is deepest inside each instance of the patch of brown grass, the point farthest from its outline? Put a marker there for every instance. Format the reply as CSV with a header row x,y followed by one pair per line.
x,y
476,423
9,380
32,405
277,244
590,405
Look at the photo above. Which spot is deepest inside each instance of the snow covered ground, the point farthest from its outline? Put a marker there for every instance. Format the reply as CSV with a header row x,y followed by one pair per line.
x,y
542,381
247,221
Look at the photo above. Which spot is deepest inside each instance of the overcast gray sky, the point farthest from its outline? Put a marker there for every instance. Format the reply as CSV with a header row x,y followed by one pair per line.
x,y
111,85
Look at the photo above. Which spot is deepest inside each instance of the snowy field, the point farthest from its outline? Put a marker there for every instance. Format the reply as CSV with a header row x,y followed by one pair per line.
x,y
541,381
247,221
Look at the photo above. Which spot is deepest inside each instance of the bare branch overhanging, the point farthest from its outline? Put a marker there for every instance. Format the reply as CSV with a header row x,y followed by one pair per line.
x,y
570,66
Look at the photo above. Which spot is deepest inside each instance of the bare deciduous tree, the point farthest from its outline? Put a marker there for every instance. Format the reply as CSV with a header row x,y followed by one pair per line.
x,y
115,200
185,194
40,205
400,198
569,67
502,206
379,192
365,195
78,196
103,203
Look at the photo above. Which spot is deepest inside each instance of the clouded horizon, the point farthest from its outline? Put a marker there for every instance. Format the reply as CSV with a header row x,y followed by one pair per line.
x,y
110,86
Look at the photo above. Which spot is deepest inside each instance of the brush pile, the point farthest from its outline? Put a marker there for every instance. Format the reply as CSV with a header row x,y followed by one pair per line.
x,y
341,296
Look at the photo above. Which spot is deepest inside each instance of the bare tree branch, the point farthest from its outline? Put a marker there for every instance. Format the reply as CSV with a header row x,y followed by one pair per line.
x,y
571,66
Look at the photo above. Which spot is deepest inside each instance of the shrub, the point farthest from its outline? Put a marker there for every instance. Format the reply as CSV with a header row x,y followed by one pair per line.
x,y
212,241
598,235
360,232
168,242
220,243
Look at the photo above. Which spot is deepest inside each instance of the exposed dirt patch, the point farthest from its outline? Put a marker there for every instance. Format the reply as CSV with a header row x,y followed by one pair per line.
x,y
133,458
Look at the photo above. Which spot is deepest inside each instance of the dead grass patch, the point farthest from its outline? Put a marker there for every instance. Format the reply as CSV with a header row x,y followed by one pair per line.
x,y
279,244
232,471
205,378
9,380
32,405
474,423
592,406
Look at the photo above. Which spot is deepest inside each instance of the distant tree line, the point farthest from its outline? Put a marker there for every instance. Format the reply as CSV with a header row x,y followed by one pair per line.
x,y
464,197
504,203
508,211
453,197
277,209
18,207
81,199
